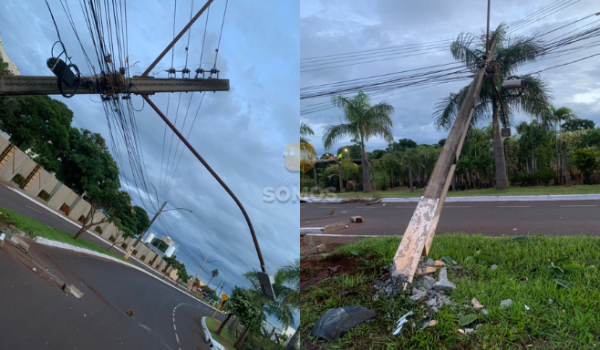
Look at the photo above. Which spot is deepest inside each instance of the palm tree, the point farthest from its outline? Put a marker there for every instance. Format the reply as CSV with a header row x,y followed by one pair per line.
x,y
363,121
510,53
214,273
559,116
287,295
305,130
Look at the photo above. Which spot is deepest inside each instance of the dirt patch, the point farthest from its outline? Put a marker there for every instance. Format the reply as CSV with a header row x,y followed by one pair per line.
x,y
315,265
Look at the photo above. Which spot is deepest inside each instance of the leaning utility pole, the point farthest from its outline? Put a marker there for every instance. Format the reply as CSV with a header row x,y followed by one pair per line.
x,y
196,276
131,247
421,229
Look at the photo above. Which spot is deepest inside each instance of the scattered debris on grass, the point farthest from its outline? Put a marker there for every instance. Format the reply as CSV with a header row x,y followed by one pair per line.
x,y
401,322
323,274
505,303
494,267
476,304
336,322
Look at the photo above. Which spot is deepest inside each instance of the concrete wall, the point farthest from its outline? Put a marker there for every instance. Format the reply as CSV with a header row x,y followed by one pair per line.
x,y
18,163
43,179
63,195
3,143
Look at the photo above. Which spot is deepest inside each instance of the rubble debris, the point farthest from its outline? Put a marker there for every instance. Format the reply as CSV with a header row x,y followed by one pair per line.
x,y
476,304
469,330
356,219
485,312
34,270
401,322
66,289
418,294
19,243
336,322
424,281
76,292
461,331
426,271
129,313
331,212
443,284
494,267
526,307
432,323
2,236
505,303
321,248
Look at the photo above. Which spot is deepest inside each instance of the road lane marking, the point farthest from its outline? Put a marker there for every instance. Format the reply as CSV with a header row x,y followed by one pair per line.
x,y
458,206
407,207
331,207
578,205
513,206
33,209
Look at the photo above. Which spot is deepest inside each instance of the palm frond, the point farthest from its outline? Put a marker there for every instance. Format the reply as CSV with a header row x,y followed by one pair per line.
x,y
334,133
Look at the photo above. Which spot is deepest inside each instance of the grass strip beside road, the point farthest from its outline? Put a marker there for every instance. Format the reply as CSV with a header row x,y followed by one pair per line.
x,y
512,191
224,338
558,317
34,228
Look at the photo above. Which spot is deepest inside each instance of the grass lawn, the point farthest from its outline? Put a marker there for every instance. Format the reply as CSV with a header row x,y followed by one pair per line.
x,y
34,228
512,191
558,317
224,338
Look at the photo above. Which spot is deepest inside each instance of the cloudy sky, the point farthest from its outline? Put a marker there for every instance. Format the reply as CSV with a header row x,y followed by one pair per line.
x,y
241,133
331,27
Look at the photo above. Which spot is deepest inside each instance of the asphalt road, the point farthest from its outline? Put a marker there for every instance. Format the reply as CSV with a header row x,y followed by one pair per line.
x,y
37,315
17,203
490,218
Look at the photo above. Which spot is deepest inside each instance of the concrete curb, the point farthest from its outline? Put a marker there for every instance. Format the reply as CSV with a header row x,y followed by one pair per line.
x,y
543,198
209,339
60,245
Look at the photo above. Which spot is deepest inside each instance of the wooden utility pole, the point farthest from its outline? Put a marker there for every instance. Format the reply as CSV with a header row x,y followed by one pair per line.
x,y
419,233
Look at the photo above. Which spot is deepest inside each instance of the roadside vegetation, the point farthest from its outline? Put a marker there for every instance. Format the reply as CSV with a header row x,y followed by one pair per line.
x,y
557,279
34,229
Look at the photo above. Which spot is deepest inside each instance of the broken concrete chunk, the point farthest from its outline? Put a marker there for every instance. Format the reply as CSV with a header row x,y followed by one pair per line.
x,y
401,322
432,323
461,331
424,281
321,248
485,312
76,292
356,219
443,284
505,303
336,322
494,267
66,289
418,294
469,330
429,262
19,243
476,303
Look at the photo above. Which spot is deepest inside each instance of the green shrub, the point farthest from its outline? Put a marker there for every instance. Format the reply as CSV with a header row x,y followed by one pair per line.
x,y
44,195
533,178
112,239
82,219
143,258
19,180
98,230
124,245
586,160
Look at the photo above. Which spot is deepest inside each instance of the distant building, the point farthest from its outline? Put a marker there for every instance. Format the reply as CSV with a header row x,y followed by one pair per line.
x,y
167,240
11,65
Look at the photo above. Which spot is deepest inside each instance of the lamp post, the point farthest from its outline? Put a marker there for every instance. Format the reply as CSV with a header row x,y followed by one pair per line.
x,y
137,241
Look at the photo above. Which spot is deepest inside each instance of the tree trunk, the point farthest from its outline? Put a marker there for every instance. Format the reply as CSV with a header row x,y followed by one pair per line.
x,y
115,242
291,345
224,323
340,175
373,175
409,174
566,163
262,341
391,179
501,176
240,341
315,175
365,170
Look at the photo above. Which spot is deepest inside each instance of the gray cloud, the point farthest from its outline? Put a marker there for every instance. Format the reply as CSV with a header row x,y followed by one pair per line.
x,y
337,27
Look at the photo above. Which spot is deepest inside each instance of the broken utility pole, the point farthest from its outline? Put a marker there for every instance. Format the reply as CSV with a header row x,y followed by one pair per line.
x,y
419,233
